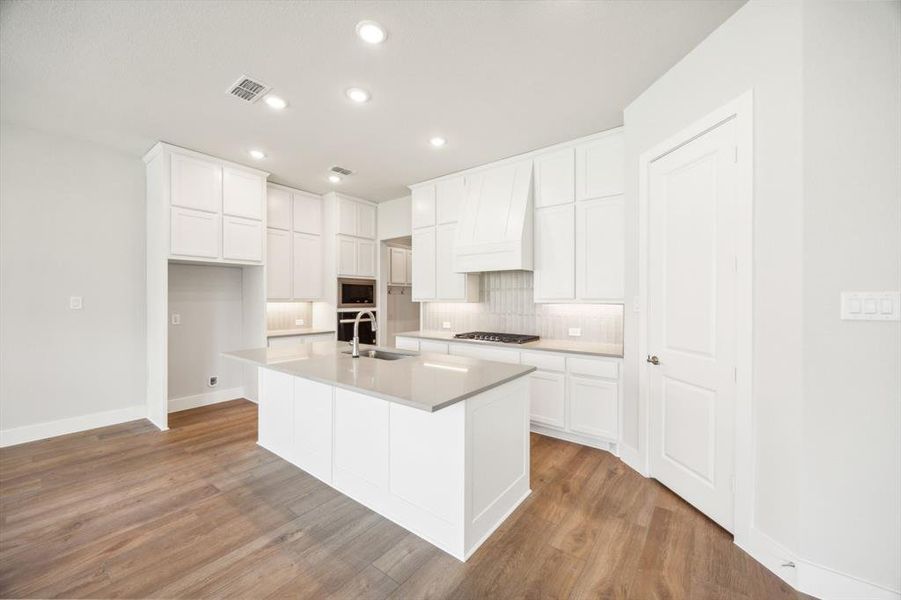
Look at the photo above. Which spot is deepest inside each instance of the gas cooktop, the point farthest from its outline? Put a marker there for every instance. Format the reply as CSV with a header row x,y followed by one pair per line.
x,y
487,336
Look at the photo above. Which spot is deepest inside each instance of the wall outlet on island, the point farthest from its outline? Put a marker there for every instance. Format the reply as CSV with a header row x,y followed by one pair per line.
x,y
298,322
575,331
214,381
446,325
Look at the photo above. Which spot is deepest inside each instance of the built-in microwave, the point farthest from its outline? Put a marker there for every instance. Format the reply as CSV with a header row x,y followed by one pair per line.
x,y
356,293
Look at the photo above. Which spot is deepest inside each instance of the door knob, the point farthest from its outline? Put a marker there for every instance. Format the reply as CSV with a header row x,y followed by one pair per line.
x,y
653,360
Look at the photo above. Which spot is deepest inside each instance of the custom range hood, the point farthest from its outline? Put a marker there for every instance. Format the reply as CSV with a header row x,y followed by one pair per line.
x,y
495,228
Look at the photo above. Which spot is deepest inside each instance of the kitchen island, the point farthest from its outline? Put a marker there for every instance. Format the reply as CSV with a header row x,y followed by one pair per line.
x,y
438,444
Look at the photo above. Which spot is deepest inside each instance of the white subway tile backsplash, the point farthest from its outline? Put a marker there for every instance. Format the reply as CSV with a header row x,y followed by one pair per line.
x,y
505,305
282,315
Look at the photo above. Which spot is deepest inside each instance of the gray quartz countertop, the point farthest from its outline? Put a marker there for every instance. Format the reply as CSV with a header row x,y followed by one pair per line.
x,y
298,331
428,382
569,346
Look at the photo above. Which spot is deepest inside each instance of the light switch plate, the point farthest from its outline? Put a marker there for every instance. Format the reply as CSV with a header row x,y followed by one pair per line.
x,y
871,306
176,319
446,325
298,322
75,303
575,331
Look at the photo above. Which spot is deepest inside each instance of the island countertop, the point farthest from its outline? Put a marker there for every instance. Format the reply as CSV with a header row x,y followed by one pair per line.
x,y
425,381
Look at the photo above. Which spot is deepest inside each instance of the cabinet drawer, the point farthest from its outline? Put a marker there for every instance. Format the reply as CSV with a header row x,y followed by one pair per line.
x,y
593,367
486,353
406,344
543,360
433,347
194,233
242,239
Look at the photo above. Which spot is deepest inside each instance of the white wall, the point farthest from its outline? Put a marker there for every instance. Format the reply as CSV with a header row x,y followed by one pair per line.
x,y
71,224
394,218
209,301
826,218
851,452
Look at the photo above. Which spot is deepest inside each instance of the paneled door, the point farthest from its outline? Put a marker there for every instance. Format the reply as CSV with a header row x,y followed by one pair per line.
x,y
692,279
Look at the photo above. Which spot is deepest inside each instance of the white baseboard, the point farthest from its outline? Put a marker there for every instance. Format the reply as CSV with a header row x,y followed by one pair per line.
x,y
49,429
198,400
573,437
633,459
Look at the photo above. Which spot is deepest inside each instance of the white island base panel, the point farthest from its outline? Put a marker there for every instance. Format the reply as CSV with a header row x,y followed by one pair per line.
x,y
451,476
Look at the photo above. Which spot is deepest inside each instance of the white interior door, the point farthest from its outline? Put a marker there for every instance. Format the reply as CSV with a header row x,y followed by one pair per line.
x,y
691,320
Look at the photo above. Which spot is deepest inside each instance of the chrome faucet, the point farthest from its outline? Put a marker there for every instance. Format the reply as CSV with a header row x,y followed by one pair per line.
x,y
355,344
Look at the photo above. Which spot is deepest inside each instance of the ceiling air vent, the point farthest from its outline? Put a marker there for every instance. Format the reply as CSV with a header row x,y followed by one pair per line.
x,y
247,89
341,171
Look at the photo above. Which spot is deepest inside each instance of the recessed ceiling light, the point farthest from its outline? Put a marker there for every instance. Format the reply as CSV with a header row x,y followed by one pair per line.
x,y
371,32
276,102
334,178
437,141
257,154
357,95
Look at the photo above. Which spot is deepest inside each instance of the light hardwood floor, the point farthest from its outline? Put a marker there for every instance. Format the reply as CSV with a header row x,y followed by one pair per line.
x,y
202,511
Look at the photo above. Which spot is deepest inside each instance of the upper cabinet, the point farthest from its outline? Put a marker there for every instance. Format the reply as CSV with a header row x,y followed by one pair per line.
x,y
555,178
449,196
356,217
423,206
399,266
600,166
213,210
295,248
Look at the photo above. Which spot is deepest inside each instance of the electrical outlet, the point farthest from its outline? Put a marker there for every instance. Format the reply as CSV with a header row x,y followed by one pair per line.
x,y
446,325
75,302
214,381
176,319
575,331
298,322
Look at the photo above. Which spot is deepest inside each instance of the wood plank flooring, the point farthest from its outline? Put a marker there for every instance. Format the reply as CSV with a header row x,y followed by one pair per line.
x,y
201,511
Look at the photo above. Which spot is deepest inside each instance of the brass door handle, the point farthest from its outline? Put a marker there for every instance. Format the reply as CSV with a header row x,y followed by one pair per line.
x,y
653,360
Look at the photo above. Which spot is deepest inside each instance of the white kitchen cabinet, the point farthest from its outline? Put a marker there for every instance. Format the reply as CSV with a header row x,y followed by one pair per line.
x,y
450,285
365,220
600,249
593,406
278,264
242,193
195,183
548,398
347,256
276,418
307,216
424,276
555,274
365,258
409,267
307,269
194,233
242,239
397,266
433,347
555,178
600,168
312,443
403,343
356,218
449,196
347,216
484,352
278,208
423,201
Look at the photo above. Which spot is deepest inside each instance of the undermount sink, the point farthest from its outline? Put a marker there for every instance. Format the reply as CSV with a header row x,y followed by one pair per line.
x,y
380,354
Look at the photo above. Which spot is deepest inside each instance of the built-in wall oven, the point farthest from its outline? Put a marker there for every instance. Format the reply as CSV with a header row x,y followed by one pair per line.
x,y
346,327
356,293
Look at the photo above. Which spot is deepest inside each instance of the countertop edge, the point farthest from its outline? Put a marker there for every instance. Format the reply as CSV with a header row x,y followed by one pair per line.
x,y
296,332
439,338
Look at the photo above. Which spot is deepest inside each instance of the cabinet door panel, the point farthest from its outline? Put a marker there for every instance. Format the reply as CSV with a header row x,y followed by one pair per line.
x,y
600,167
278,264
307,266
194,233
307,213
593,407
485,353
555,268
361,437
449,195
397,266
196,183
548,398
450,285
600,249
424,264
424,206
433,347
276,416
347,256
242,194
313,428
365,258
406,344
408,278
347,216
365,220
555,178
278,208
242,239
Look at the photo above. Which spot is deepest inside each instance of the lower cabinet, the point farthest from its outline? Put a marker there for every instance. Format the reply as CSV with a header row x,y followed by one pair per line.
x,y
548,398
593,406
276,412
